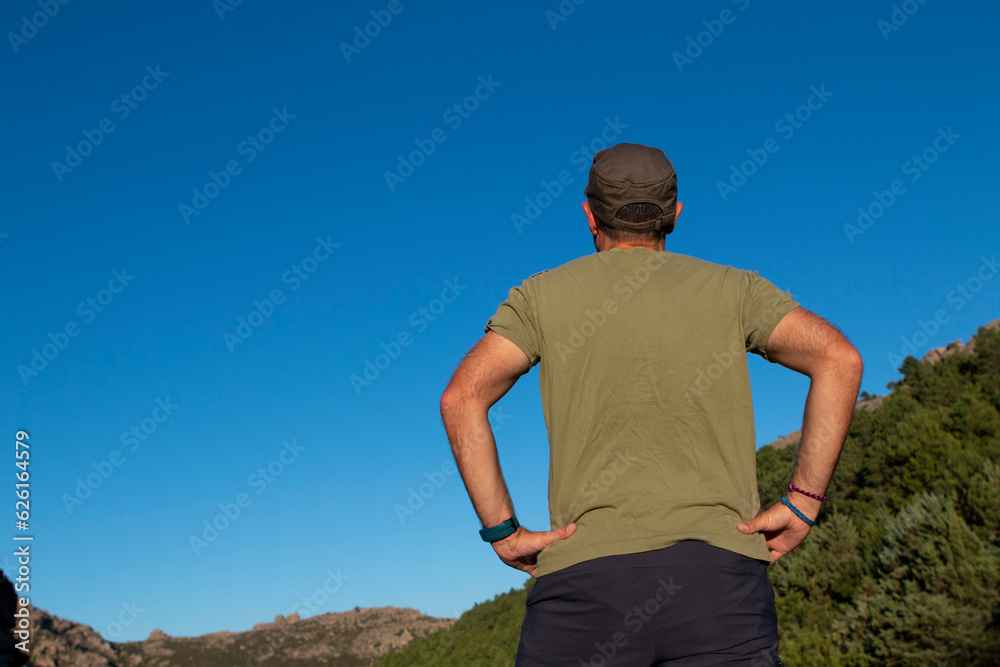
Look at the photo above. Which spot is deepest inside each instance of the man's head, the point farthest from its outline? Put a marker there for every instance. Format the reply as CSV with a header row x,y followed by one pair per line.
x,y
631,197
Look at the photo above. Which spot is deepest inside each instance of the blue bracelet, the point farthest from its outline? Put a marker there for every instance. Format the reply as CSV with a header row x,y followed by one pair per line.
x,y
788,503
500,531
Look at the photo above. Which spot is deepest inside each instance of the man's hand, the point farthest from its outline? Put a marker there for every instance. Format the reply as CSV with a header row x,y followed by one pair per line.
x,y
782,529
520,550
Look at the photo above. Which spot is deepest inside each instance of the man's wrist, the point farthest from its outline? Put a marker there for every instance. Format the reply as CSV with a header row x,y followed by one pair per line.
x,y
809,506
798,512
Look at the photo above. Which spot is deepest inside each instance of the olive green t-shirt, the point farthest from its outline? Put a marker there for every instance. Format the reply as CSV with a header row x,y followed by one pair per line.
x,y
646,396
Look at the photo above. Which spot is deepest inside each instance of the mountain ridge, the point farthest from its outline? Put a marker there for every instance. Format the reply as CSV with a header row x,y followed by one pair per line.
x,y
355,638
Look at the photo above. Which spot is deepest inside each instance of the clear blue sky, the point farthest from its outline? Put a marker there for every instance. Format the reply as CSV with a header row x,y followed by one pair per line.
x,y
326,132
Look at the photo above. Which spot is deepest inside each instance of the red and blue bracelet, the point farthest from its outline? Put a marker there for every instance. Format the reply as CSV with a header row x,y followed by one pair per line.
x,y
806,493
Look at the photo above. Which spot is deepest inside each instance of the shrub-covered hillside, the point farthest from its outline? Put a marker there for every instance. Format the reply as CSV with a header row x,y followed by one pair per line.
x,y
904,567
484,636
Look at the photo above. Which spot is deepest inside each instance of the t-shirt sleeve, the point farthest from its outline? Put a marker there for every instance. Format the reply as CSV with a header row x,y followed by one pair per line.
x,y
515,321
764,305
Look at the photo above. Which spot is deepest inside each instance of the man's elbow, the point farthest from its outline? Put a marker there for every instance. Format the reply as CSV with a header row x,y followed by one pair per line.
x,y
457,397
838,359
451,401
855,361
849,363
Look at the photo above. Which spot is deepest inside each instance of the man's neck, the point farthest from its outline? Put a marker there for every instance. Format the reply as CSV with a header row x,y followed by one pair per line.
x,y
601,247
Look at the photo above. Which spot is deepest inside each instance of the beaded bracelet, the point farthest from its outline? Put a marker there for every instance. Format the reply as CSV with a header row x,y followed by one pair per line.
x,y
806,493
788,503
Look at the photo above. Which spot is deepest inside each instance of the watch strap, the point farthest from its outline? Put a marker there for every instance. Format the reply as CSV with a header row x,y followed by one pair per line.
x,y
500,531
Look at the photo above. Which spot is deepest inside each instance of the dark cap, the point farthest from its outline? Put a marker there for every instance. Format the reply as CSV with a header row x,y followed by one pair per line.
x,y
632,174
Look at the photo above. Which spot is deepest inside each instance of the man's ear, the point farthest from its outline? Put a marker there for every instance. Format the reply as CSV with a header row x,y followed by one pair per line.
x,y
591,220
670,229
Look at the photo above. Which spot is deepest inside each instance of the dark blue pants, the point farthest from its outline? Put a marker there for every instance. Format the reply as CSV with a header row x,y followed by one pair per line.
x,y
687,605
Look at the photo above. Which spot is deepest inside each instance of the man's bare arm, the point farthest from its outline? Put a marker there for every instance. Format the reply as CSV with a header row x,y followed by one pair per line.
x,y
808,344
489,370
